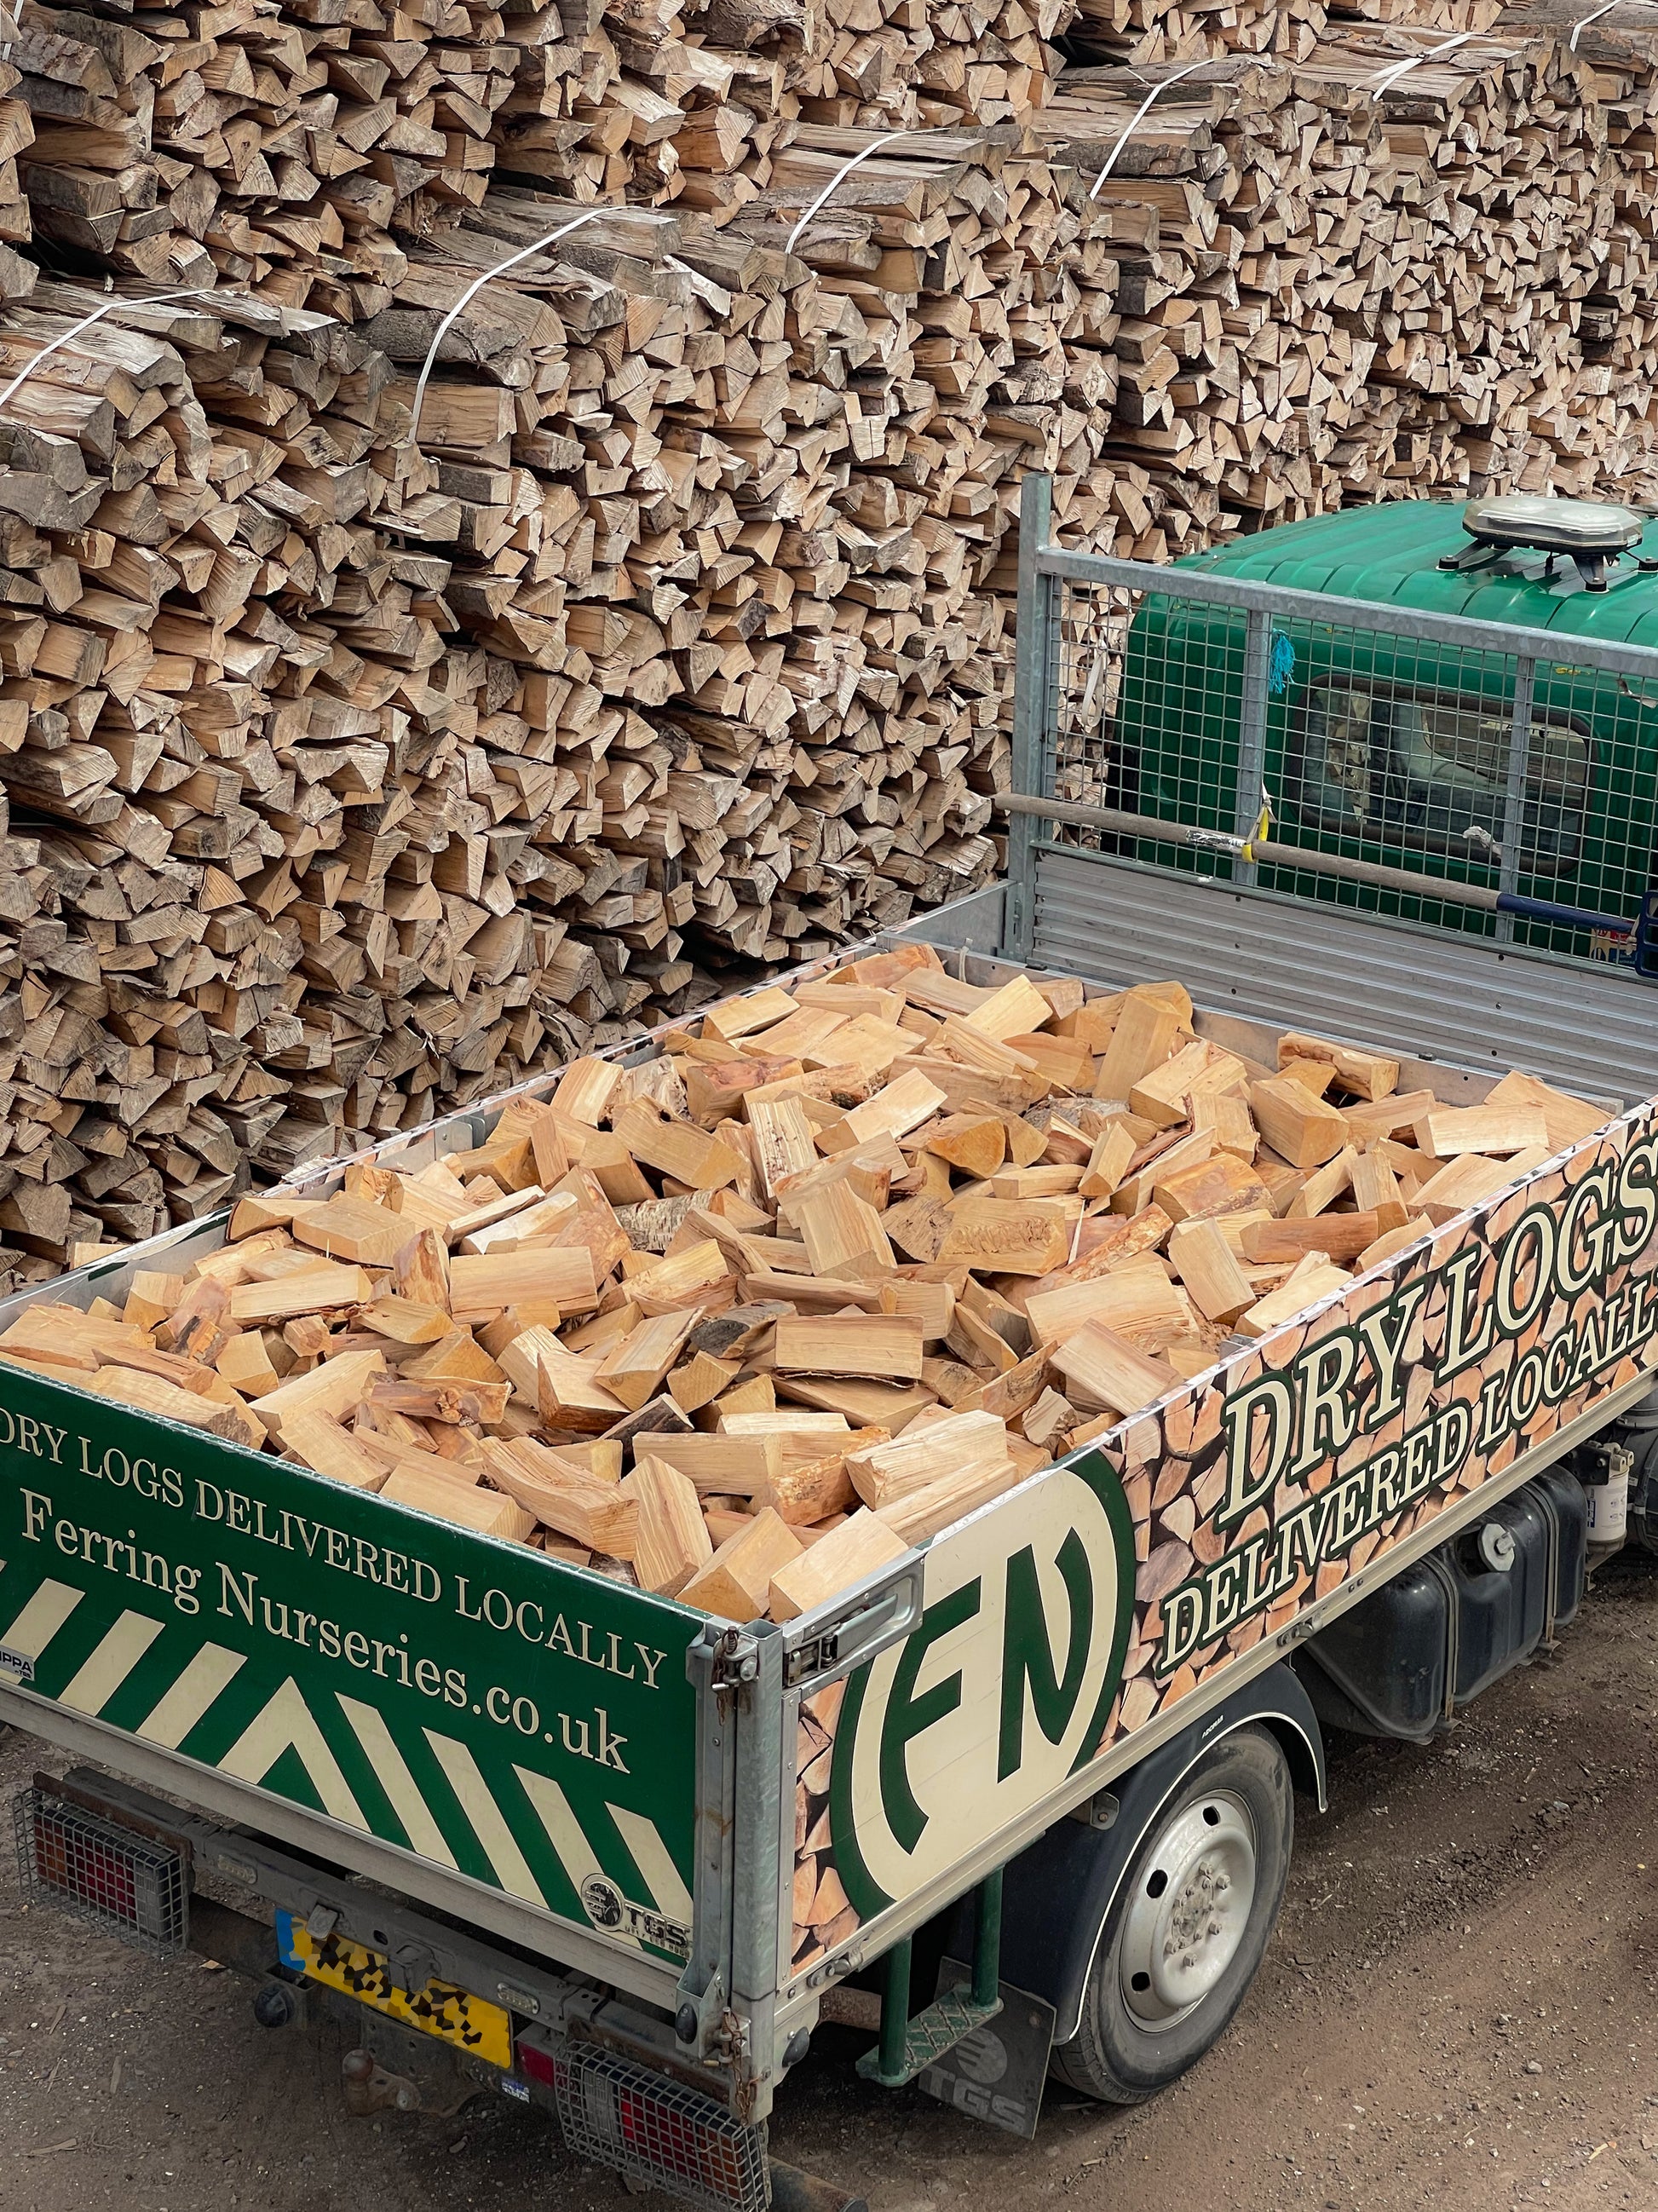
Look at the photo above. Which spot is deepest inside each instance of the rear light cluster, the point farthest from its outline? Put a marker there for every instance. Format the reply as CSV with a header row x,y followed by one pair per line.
x,y
657,2132
92,1867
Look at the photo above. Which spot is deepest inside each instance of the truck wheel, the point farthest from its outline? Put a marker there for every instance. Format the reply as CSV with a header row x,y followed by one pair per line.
x,y
1189,1925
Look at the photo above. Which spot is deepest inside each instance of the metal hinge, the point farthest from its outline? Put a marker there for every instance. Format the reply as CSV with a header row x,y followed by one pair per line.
x,y
1099,1811
736,1660
1013,915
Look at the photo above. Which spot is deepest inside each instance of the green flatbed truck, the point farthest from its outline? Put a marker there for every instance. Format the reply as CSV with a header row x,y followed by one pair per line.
x,y
513,1816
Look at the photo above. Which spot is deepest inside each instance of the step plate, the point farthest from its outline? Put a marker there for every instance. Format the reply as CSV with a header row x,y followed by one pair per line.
x,y
950,2019
996,2075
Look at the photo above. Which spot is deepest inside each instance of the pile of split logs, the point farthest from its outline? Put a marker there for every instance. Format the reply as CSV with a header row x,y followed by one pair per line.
x,y
1134,32
1358,280
745,1320
357,767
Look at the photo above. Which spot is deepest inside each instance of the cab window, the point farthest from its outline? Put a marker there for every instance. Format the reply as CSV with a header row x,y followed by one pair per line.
x,y
1429,771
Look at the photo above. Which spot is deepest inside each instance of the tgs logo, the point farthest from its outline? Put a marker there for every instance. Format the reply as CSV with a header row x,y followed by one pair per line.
x,y
998,1695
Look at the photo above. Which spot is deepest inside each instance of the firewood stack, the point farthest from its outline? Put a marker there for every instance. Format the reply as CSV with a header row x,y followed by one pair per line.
x,y
251,148
1136,32
17,272
257,146
1618,326
152,766
1313,316
1442,15
688,104
1465,382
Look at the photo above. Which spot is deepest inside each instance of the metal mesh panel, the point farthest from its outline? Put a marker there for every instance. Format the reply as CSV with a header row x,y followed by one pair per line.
x,y
1117,703
1603,853
94,1870
657,2132
1449,762
1090,741
1392,750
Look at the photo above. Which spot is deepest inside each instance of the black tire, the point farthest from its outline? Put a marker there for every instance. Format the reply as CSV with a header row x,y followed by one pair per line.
x,y
1129,2044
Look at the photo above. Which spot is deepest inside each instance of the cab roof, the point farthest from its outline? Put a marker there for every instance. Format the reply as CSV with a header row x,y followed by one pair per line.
x,y
1390,555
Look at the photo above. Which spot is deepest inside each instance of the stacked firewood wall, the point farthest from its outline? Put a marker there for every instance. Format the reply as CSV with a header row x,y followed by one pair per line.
x,y
357,768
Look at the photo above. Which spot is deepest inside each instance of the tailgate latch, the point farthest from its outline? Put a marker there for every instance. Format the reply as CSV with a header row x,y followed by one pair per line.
x,y
818,1655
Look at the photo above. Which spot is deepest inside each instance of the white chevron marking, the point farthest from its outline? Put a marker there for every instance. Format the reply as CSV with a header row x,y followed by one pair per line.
x,y
42,1616
564,1832
287,1723
650,1856
393,1774
178,1711
102,1675
499,1847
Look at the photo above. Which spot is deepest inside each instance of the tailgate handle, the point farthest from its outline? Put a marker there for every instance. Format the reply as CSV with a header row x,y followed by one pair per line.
x,y
882,1617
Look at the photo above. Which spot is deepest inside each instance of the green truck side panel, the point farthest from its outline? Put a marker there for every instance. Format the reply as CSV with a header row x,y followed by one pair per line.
x,y
467,1700
1183,683
1073,1614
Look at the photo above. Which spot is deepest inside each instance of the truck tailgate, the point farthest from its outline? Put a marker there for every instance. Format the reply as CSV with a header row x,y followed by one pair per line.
x,y
483,1710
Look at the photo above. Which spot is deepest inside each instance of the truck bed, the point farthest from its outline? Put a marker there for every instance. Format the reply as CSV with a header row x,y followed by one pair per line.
x,y
604,1777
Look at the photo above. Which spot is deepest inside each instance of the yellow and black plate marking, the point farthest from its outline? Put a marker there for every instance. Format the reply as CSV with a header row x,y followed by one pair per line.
x,y
453,2014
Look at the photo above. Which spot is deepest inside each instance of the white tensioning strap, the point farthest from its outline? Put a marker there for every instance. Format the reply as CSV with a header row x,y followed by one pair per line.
x,y
107,307
1139,116
1572,43
840,176
523,254
1384,78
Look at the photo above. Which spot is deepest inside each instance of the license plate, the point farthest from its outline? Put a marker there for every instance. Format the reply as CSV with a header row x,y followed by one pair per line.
x,y
453,2015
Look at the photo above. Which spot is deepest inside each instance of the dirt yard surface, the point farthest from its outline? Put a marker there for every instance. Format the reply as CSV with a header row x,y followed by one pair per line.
x,y
1459,2011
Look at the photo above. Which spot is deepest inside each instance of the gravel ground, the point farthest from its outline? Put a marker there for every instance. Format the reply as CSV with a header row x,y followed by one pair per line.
x,y
1459,2008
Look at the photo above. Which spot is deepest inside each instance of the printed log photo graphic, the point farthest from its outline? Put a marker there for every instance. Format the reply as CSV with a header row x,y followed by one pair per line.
x,y
1347,1432
1385,1384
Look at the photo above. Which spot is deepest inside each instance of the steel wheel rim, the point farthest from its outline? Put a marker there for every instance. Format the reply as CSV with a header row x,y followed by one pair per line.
x,y
1190,1911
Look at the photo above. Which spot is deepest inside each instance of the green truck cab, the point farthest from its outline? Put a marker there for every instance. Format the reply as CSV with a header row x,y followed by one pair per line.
x,y
1396,750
